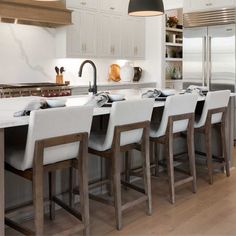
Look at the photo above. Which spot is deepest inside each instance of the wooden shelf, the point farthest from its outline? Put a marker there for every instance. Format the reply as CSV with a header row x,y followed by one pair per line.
x,y
174,44
174,30
174,59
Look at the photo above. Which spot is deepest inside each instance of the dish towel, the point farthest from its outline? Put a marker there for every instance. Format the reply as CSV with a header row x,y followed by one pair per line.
x,y
98,100
33,105
152,94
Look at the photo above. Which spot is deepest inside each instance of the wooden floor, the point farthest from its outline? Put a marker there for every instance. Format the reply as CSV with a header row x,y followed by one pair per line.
x,y
211,212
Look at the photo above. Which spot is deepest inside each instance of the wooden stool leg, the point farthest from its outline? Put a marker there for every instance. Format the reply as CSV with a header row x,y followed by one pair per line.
x,y
224,149
128,158
170,166
109,176
38,189
146,170
208,140
52,192
156,156
83,184
71,187
191,154
117,188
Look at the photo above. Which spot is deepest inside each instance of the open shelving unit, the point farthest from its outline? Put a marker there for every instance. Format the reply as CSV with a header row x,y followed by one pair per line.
x,y
174,51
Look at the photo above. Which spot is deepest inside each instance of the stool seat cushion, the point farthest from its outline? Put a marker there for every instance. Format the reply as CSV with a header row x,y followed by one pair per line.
x,y
214,100
96,141
174,106
123,113
15,155
46,124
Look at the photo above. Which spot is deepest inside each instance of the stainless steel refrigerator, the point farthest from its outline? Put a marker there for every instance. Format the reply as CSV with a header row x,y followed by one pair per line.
x,y
209,56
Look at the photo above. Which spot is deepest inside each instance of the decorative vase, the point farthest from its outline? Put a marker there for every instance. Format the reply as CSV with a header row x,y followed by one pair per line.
x,y
127,73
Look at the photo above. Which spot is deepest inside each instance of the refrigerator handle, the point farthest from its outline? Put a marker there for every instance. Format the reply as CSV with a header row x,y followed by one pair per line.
x,y
209,62
204,61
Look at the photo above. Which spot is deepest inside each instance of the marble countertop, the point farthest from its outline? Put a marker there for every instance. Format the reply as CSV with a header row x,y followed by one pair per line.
x,y
8,106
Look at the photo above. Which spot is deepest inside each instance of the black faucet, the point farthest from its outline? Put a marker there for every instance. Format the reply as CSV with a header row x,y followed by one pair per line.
x,y
94,88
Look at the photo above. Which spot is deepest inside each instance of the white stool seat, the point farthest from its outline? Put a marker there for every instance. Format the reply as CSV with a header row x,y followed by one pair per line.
x,y
96,141
122,113
50,123
175,105
214,100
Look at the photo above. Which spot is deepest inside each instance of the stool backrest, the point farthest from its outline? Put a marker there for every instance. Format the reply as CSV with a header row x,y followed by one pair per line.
x,y
177,105
214,100
128,112
56,122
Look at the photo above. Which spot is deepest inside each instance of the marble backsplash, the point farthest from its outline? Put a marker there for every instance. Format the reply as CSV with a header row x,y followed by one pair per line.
x,y
27,54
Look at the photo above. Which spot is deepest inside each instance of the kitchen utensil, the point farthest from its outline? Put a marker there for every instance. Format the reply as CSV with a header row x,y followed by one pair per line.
x,y
137,74
62,70
57,70
116,97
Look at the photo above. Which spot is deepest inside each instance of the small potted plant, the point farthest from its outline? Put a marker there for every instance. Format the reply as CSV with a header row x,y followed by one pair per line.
x,y
172,21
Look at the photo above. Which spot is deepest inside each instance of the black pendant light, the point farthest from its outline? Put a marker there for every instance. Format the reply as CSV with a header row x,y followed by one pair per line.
x,y
146,8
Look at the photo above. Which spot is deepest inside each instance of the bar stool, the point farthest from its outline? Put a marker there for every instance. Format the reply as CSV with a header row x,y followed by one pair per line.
x,y
57,139
178,117
214,114
128,128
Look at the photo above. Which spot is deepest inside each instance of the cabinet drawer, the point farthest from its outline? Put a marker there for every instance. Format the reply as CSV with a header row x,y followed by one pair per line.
x,y
205,5
113,6
82,4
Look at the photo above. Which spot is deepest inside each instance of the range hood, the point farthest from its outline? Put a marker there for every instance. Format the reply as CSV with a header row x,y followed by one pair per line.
x,y
39,13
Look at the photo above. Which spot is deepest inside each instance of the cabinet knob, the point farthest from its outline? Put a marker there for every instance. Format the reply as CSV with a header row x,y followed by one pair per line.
x,y
83,3
112,8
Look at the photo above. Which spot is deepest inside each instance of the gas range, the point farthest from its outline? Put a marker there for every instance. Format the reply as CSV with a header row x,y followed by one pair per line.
x,y
34,89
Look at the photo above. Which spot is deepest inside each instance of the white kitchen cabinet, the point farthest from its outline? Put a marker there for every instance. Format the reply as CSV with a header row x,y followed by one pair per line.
x,y
205,5
114,6
79,39
102,32
82,4
133,38
109,36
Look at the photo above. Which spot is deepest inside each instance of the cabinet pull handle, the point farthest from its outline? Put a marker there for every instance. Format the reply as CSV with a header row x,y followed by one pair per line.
x,y
209,4
85,47
83,3
112,8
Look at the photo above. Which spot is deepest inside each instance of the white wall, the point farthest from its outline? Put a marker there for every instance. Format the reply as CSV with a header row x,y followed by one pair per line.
x,y
154,63
27,54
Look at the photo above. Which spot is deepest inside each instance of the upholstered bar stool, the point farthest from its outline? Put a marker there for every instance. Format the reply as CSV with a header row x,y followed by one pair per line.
x,y
128,128
57,139
214,114
178,117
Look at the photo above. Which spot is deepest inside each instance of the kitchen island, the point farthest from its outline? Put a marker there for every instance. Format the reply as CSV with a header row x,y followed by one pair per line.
x,y
7,120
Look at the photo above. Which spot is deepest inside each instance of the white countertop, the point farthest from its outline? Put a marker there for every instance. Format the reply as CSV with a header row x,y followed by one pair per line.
x,y
8,106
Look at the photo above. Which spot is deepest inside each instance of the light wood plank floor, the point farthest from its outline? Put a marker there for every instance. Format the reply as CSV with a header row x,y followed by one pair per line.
x,y
210,212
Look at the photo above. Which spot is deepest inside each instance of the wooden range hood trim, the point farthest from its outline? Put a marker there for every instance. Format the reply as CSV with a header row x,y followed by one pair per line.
x,y
35,13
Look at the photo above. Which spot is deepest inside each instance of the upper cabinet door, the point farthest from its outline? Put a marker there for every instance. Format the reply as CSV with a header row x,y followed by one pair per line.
x,y
82,4
88,33
109,37
114,6
81,36
205,5
133,38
